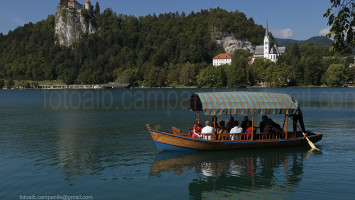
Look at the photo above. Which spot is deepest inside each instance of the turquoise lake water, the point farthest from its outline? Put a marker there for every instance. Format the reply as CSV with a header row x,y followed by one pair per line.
x,y
94,143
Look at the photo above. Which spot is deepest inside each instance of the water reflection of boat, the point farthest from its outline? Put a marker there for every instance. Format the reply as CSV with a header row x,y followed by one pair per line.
x,y
239,103
224,174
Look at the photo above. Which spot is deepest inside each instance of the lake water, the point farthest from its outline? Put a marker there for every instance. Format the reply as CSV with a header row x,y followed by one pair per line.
x,y
94,144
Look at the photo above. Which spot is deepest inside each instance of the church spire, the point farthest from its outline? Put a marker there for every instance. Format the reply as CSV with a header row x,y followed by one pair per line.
x,y
267,29
267,42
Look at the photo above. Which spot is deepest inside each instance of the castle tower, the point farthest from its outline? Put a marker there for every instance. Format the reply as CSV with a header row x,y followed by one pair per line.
x,y
266,42
89,7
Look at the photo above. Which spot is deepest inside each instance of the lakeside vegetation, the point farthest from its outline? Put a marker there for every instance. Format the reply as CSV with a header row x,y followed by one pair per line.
x,y
168,50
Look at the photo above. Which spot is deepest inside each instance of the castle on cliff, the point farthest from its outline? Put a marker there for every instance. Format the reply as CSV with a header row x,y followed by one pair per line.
x,y
70,26
74,5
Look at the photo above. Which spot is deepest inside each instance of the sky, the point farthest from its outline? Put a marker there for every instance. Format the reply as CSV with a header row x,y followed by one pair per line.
x,y
289,19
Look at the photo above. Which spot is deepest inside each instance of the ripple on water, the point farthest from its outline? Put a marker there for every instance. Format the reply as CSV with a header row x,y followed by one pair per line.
x,y
108,152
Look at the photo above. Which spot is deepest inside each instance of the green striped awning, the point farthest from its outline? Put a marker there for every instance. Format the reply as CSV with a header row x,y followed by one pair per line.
x,y
243,103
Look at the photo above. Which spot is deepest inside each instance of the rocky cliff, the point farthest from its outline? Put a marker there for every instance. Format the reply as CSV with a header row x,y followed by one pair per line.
x,y
70,25
230,43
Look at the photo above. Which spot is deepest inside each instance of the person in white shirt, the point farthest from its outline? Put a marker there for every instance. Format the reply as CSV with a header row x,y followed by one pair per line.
x,y
207,129
235,129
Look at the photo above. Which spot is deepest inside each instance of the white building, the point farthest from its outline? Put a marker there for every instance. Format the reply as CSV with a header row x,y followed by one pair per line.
x,y
74,5
268,51
222,59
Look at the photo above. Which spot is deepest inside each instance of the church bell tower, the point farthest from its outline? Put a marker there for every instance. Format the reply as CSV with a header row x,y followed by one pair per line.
x,y
266,42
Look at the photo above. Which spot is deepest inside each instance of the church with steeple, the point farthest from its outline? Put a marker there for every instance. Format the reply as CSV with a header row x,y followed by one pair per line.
x,y
268,51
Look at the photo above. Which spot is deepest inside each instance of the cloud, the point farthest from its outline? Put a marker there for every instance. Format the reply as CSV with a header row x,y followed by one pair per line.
x,y
324,31
282,33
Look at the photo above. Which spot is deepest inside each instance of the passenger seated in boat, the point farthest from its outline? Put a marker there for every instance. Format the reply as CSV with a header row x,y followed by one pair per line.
x,y
249,130
244,124
230,124
271,126
222,133
207,131
236,129
215,122
262,123
197,130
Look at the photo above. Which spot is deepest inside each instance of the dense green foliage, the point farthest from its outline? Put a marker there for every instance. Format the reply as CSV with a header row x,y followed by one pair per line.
x,y
302,65
341,18
2,83
171,49
29,52
335,75
318,40
124,48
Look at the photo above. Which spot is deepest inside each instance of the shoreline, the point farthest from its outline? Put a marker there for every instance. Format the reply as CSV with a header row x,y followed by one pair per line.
x,y
98,87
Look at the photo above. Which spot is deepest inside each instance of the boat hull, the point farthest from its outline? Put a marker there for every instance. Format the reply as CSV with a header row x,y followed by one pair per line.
x,y
168,141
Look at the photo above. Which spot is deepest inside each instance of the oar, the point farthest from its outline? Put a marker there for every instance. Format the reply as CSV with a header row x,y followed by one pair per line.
x,y
310,142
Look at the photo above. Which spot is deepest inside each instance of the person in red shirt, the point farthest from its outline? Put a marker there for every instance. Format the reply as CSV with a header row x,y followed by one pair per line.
x,y
197,129
249,130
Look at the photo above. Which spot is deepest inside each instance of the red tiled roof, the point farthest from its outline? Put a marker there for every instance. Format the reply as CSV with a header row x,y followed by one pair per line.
x,y
223,56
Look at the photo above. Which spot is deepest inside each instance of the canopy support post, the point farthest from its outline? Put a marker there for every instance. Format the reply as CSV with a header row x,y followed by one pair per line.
x,y
198,116
252,127
214,127
286,118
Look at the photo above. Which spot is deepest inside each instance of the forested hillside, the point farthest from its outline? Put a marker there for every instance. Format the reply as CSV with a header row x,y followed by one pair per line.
x,y
126,48
318,40
172,49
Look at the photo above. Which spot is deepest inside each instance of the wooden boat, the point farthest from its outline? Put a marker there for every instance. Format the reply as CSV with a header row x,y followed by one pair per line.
x,y
239,103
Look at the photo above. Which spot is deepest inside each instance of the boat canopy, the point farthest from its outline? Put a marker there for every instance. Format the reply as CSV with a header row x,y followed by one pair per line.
x,y
243,103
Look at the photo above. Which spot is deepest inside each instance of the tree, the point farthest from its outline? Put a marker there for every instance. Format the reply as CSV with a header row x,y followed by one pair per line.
x,y
156,77
212,77
313,70
2,83
9,84
34,84
220,77
27,85
97,9
64,2
335,75
351,74
188,74
68,76
130,75
260,67
236,72
341,18
205,78
174,75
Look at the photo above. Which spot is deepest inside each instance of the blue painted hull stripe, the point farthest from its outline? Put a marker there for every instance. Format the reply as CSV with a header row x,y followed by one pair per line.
x,y
164,146
208,141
